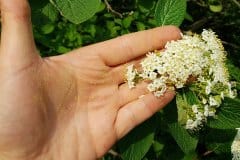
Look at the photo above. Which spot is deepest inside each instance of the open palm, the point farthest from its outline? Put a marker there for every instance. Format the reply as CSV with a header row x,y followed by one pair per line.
x,y
73,106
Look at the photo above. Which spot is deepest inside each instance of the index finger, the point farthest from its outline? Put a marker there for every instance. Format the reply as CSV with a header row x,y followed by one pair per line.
x,y
128,47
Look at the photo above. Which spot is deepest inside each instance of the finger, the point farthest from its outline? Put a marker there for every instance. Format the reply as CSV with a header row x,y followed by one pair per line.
x,y
128,47
127,95
17,40
119,73
140,110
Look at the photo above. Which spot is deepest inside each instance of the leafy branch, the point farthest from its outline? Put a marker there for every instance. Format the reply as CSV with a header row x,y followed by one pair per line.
x,y
109,8
237,3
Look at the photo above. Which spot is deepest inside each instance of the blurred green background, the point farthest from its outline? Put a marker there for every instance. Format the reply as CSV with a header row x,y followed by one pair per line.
x,y
56,35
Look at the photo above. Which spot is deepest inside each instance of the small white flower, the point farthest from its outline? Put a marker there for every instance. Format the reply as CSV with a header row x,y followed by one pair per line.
x,y
151,87
211,113
213,101
208,88
204,101
199,116
206,108
131,75
198,57
152,75
189,124
235,148
206,113
195,108
233,93
222,95
158,93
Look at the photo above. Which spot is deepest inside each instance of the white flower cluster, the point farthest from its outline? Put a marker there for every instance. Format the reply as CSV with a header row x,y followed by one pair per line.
x,y
235,148
198,60
131,76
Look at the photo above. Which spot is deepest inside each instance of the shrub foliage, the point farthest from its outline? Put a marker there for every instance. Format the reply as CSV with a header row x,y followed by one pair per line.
x,y
60,26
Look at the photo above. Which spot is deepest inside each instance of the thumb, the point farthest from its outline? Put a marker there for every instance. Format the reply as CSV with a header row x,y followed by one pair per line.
x,y
17,42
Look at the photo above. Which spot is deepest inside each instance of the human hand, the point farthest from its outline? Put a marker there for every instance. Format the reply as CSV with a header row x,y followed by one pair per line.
x,y
73,106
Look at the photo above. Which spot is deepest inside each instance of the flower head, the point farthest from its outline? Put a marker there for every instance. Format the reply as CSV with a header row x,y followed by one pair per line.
x,y
198,57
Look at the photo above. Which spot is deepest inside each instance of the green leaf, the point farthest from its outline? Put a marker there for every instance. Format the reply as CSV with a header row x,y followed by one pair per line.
x,y
228,116
171,150
188,17
191,97
182,107
118,21
219,140
220,148
77,11
110,24
219,135
185,99
91,29
47,28
157,147
137,143
216,8
102,6
62,49
184,140
215,5
170,12
127,21
147,4
140,26
170,114
190,156
234,71
50,11
43,12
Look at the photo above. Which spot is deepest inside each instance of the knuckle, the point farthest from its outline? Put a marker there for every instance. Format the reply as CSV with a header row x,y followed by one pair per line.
x,y
124,42
174,31
149,107
24,12
19,10
132,117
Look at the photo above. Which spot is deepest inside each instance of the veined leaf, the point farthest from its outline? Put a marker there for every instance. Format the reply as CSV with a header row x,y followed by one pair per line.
x,y
146,5
182,107
234,71
136,144
228,116
77,11
50,11
43,12
219,140
184,140
170,12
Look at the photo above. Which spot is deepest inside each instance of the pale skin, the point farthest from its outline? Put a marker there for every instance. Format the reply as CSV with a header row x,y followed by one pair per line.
x,y
74,106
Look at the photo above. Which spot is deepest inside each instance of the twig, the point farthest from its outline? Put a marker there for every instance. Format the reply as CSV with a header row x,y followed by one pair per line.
x,y
114,153
109,8
198,24
236,2
201,3
207,153
231,45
